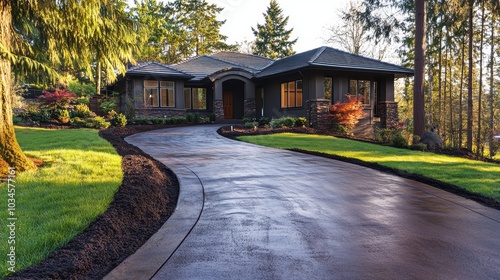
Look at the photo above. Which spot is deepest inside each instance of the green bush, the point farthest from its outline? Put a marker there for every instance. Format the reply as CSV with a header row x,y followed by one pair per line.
x,y
282,122
190,118
419,147
61,115
82,111
264,121
212,117
301,121
112,114
398,140
384,135
78,122
250,124
339,128
120,120
97,122
246,120
108,105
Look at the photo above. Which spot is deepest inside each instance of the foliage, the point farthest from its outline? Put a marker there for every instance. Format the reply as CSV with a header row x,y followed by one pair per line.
x,y
112,114
178,30
97,122
76,183
59,99
250,124
35,114
61,115
475,176
129,108
193,117
82,91
399,141
146,121
301,121
282,122
120,120
212,117
418,147
264,121
347,113
245,120
108,105
82,111
272,39
78,122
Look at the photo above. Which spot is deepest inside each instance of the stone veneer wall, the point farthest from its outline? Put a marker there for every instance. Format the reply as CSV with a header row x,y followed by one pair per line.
x,y
317,111
389,117
160,112
218,110
250,110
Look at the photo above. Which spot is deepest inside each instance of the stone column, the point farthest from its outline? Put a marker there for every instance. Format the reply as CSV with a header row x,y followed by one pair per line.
x,y
219,110
250,111
389,117
317,112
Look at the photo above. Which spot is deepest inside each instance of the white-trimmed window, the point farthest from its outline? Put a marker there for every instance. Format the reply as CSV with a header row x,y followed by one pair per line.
x,y
291,94
159,93
195,98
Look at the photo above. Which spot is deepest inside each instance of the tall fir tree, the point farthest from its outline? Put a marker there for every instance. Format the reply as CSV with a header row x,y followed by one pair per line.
x,y
272,39
47,34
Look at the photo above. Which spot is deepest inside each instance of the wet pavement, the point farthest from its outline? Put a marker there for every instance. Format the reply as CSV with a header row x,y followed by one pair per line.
x,y
251,212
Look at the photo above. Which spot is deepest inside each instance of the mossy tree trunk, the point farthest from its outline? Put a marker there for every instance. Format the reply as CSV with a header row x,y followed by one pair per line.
x,y
11,154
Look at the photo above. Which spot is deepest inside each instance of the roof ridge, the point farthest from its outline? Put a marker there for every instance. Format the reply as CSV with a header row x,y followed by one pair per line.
x,y
368,58
248,54
317,54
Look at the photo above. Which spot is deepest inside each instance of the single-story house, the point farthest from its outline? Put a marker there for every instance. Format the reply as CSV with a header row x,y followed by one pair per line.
x,y
234,85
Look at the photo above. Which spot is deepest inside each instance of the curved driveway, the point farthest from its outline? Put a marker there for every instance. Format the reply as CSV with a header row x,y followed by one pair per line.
x,y
273,214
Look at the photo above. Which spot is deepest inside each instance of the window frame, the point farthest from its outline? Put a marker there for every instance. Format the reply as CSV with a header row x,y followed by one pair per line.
x,y
365,99
290,92
191,91
158,100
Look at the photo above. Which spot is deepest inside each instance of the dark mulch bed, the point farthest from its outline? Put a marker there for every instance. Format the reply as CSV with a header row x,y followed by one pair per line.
x,y
146,198
238,131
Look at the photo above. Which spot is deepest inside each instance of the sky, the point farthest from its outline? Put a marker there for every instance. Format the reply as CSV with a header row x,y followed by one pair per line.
x,y
309,19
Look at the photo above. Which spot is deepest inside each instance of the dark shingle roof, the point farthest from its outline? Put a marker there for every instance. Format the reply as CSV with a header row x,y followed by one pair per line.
x,y
157,69
332,58
244,60
202,66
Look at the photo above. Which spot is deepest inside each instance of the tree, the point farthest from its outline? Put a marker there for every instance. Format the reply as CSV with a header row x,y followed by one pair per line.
x,y
418,87
272,39
42,36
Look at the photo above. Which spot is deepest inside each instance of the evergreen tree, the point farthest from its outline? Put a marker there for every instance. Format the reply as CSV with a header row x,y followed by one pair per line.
x,y
272,40
45,35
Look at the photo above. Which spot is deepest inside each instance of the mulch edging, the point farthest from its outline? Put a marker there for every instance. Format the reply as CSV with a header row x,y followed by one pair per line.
x,y
147,197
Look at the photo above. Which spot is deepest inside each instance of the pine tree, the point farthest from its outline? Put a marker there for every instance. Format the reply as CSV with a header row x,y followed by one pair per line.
x,y
272,39
44,35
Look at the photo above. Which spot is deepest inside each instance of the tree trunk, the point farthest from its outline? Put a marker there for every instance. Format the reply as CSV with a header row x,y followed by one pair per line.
x,y
461,113
98,80
492,80
470,81
418,89
479,103
11,154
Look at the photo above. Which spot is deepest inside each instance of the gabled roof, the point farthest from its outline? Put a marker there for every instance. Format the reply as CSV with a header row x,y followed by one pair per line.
x,y
157,69
334,59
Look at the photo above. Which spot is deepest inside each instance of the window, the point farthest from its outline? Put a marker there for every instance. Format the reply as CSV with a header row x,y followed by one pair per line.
x,y
328,88
360,89
195,98
159,94
291,94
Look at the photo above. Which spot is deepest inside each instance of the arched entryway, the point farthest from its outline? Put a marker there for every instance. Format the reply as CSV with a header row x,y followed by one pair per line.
x,y
233,98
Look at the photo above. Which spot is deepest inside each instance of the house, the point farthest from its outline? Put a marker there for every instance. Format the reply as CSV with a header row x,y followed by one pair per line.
x,y
233,85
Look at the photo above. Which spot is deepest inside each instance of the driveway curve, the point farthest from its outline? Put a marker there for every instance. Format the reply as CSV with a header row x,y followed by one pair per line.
x,y
251,212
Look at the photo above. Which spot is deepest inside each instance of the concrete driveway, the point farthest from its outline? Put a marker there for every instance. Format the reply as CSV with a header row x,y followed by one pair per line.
x,y
250,212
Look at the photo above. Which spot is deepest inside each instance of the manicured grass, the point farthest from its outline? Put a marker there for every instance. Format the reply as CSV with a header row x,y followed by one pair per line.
x,y
76,183
474,176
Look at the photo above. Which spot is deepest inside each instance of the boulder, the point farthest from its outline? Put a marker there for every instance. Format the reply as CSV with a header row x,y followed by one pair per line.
x,y
432,140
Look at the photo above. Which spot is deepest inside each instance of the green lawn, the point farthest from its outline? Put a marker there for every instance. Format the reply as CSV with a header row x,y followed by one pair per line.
x,y
79,177
475,176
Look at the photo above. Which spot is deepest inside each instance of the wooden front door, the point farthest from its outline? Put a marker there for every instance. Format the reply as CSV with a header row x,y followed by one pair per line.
x,y
228,104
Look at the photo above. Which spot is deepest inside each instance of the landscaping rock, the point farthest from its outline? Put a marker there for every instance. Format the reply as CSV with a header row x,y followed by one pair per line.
x,y
432,140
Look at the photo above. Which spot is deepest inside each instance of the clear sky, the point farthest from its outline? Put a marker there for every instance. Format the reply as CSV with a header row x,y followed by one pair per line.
x,y
308,18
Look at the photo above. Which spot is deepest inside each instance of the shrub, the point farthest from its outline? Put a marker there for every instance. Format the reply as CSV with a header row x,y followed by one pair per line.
x,y
62,115
78,122
59,99
119,120
108,105
190,118
301,121
112,114
82,91
196,118
275,123
264,121
282,122
36,114
82,111
250,124
347,113
97,122
383,135
340,128
419,147
398,140
212,117
246,120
